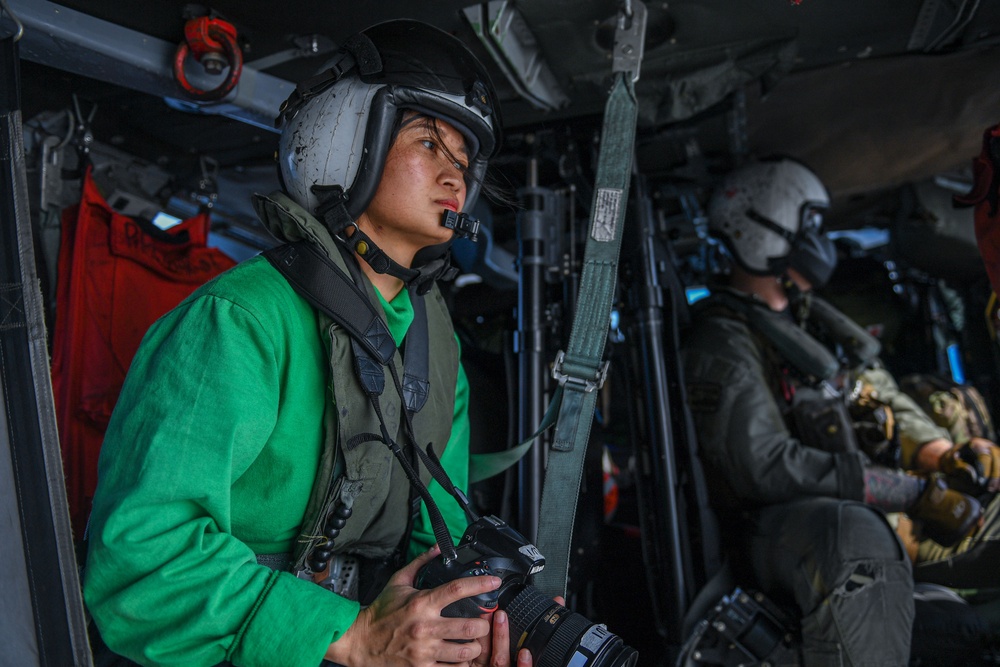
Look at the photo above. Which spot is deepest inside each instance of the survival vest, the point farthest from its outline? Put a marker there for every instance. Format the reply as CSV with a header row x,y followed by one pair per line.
x,y
801,367
358,473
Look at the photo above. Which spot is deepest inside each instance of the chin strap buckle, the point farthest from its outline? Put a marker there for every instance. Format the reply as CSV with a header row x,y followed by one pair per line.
x,y
462,224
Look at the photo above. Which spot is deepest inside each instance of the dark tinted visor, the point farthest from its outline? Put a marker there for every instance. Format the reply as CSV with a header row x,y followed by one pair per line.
x,y
811,218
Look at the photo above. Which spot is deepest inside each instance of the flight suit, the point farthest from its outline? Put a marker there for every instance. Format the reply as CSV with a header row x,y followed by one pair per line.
x,y
793,518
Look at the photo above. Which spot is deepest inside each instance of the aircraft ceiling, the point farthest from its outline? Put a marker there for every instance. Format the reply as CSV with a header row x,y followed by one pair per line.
x,y
869,94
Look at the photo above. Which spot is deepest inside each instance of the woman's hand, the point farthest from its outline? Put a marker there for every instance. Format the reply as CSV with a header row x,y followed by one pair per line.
x,y
404,626
496,645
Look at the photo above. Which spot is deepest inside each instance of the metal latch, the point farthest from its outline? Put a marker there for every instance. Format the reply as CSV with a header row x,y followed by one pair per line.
x,y
588,385
630,38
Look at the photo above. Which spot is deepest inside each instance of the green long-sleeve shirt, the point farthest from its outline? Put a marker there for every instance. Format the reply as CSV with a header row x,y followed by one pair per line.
x,y
209,460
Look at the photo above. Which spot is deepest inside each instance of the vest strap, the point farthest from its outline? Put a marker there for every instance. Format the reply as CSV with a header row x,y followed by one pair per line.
x,y
326,287
416,361
314,276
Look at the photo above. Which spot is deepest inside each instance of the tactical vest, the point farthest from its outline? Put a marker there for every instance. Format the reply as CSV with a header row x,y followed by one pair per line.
x,y
364,476
799,369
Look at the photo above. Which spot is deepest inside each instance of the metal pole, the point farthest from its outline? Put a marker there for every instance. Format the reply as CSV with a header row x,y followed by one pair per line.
x,y
45,624
529,346
659,511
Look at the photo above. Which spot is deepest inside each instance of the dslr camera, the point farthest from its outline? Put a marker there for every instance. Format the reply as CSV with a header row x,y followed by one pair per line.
x,y
555,636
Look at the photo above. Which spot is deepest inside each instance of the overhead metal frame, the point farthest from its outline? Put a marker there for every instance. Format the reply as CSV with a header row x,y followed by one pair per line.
x,y
506,35
75,42
42,620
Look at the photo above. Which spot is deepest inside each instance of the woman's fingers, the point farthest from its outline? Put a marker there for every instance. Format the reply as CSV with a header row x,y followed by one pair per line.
x,y
463,587
501,640
408,574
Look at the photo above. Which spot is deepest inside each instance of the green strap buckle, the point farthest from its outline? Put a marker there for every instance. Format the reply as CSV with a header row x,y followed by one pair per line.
x,y
588,385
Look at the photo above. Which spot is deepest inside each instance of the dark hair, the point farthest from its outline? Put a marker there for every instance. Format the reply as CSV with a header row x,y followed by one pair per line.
x,y
493,190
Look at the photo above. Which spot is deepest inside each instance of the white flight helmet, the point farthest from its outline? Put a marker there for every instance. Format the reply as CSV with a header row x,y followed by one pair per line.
x,y
337,127
769,213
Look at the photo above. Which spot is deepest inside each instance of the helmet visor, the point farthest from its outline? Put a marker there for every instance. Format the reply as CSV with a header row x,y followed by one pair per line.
x,y
811,218
422,57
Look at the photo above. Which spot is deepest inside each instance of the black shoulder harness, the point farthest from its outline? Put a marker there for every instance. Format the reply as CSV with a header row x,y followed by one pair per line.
x,y
328,288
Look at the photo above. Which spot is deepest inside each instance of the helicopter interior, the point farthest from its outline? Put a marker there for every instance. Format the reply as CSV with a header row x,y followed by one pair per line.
x,y
886,102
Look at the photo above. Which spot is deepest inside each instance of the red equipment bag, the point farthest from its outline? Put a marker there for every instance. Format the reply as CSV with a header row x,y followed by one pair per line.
x,y
984,196
116,276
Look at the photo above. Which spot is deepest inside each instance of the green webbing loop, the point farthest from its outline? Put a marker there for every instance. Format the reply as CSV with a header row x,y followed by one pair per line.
x,y
580,370
484,466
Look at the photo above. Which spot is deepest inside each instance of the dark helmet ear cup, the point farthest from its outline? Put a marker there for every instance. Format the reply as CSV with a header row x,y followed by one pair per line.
x,y
340,132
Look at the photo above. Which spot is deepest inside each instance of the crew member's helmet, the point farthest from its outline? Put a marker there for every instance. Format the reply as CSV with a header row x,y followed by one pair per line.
x,y
769,213
338,126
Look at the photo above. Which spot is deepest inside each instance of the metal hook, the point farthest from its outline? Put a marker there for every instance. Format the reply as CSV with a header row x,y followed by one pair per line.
x,y
79,113
13,16
630,38
625,15
83,125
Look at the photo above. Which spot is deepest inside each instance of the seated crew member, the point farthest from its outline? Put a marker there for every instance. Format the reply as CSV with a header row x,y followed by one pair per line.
x,y
967,464
802,508
239,467
927,436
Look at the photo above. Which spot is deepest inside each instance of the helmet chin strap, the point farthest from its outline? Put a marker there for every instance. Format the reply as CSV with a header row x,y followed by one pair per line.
x,y
430,264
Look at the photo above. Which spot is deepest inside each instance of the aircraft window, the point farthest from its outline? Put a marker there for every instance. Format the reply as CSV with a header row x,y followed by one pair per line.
x,y
866,237
696,293
165,221
955,364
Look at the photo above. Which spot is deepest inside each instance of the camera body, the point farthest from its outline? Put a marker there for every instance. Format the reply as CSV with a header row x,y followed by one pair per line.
x,y
488,547
555,636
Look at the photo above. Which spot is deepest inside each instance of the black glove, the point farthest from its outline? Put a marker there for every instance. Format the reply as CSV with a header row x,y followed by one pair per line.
x,y
946,515
972,468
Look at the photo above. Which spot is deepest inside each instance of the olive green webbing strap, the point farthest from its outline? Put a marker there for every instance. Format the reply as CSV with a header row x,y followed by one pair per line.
x,y
582,361
484,466
580,370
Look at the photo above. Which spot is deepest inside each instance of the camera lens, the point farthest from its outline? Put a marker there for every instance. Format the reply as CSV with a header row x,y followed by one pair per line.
x,y
558,637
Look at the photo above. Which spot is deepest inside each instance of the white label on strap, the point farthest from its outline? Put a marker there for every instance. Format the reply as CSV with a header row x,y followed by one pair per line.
x,y
607,204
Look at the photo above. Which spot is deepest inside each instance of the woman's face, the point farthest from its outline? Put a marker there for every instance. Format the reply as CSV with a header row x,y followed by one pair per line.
x,y
423,177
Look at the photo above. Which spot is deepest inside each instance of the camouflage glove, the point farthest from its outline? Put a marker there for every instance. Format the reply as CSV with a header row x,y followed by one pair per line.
x,y
972,468
947,516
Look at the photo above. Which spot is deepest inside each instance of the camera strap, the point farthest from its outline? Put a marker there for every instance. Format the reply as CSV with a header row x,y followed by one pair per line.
x,y
324,285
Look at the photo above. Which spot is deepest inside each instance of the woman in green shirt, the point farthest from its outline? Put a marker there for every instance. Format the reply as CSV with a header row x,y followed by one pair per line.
x,y
232,451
